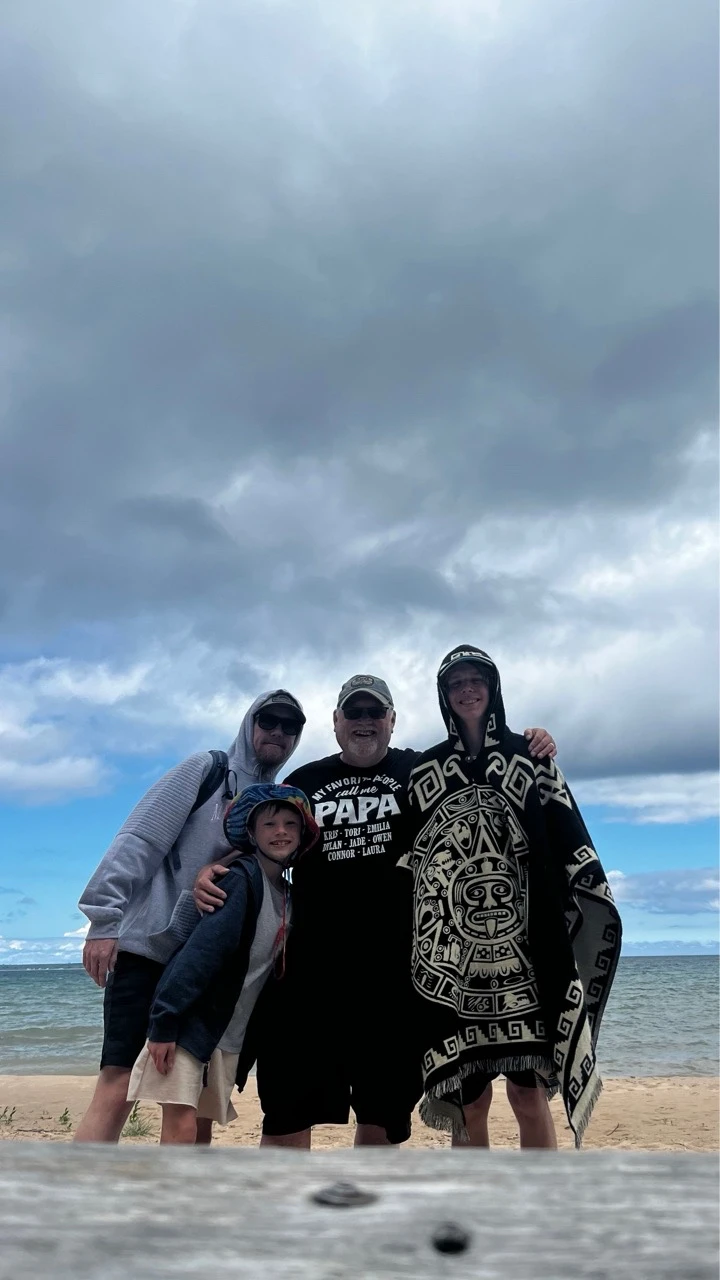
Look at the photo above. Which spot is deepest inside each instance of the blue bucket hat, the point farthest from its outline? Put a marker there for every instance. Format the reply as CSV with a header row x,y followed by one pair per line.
x,y
238,814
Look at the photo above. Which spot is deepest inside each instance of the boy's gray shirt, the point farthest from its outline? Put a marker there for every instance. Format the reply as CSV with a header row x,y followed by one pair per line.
x,y
141,893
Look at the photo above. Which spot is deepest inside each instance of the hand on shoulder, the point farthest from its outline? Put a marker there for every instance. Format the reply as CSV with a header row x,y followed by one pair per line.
x,y
541,744
208,895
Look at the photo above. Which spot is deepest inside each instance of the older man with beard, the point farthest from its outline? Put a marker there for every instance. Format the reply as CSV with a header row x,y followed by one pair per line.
x,y
338,1030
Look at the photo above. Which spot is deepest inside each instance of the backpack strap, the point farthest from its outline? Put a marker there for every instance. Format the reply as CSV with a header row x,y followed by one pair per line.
x,y
209,785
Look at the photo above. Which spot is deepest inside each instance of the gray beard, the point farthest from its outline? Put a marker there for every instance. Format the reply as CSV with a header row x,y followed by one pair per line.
x,y
350,755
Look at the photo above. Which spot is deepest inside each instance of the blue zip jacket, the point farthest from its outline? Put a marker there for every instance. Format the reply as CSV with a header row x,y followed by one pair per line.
x,y
196,995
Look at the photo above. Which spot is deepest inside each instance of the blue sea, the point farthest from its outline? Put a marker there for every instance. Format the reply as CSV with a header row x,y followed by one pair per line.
x,y
661,1020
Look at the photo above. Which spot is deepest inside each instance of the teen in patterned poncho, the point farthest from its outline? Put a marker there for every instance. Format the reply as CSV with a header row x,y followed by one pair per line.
x,y
516,935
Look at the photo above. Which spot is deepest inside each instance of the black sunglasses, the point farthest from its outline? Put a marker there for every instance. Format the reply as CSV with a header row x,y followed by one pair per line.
x,y
268,721
376,712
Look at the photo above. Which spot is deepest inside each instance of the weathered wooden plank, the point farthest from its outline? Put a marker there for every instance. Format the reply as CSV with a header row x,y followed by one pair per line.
x,y
143,1213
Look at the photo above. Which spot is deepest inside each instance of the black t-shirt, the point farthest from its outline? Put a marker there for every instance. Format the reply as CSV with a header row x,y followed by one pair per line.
x,y
348,892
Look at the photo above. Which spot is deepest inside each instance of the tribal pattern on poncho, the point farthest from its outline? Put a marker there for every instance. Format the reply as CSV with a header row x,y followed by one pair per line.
x,y
516,935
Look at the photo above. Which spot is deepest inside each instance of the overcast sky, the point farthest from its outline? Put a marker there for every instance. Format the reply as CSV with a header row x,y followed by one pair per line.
x,y
333,335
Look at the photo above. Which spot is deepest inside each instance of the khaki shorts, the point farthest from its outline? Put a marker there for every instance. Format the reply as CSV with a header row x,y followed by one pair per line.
x,y
184,1084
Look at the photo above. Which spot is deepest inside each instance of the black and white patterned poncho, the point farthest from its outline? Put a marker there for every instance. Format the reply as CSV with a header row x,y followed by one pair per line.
x,y
516,935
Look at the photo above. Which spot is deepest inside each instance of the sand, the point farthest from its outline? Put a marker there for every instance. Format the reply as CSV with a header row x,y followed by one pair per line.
x,y
674,1113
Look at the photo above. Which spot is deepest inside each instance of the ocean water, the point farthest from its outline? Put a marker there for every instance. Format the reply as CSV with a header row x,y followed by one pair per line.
x,y
662,1019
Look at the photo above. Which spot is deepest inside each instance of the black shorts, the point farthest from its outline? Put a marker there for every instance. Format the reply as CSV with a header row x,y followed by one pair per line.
x,y
126,1008
316,1074
474,1086
291,1104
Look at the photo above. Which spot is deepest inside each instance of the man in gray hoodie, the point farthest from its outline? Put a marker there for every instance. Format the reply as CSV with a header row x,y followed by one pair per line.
x,y
139,900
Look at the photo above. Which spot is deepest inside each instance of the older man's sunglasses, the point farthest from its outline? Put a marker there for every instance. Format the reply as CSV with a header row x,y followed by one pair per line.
x,y
288,724
375,712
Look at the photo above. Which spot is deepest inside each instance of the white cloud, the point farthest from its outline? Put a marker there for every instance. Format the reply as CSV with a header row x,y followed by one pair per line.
x,y
48,779
78,933
686,891
47,707
663,798
40,950
98,684
670,947
600,688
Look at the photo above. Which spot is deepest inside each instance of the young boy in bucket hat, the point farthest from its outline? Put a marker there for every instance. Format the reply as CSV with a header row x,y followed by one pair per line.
x,y
203,1002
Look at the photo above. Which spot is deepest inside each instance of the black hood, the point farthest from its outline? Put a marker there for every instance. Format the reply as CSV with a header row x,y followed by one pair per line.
x,y
495,721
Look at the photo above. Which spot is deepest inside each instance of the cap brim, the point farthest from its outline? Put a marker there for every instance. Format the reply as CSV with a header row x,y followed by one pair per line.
x,y
485,667
365,693
270,707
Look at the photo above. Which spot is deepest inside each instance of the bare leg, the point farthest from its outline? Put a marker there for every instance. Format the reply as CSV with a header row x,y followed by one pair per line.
x,y
179,1124
300,1140
204,1132
105,1117
476,1120
371,1135
532,1112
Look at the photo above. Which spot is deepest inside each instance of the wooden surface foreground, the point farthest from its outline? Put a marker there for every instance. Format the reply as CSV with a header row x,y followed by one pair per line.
x,y
135,1213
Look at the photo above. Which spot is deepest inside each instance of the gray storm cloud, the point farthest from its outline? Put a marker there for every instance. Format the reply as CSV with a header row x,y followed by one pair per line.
x,y
299,307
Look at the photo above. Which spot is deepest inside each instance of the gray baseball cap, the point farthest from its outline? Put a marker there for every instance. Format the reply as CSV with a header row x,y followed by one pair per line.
x,y
373,685
281,698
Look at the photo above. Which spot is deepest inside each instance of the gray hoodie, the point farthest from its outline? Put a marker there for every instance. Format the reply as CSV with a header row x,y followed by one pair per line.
x,y
141,893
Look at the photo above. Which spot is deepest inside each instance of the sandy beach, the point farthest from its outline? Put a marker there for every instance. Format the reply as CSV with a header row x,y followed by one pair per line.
x,y
673,1113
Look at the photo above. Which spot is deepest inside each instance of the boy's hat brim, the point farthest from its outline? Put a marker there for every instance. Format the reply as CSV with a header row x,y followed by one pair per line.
x,y
238,814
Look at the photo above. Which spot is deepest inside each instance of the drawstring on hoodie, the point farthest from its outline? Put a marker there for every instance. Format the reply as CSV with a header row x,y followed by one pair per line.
x,y
281,936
